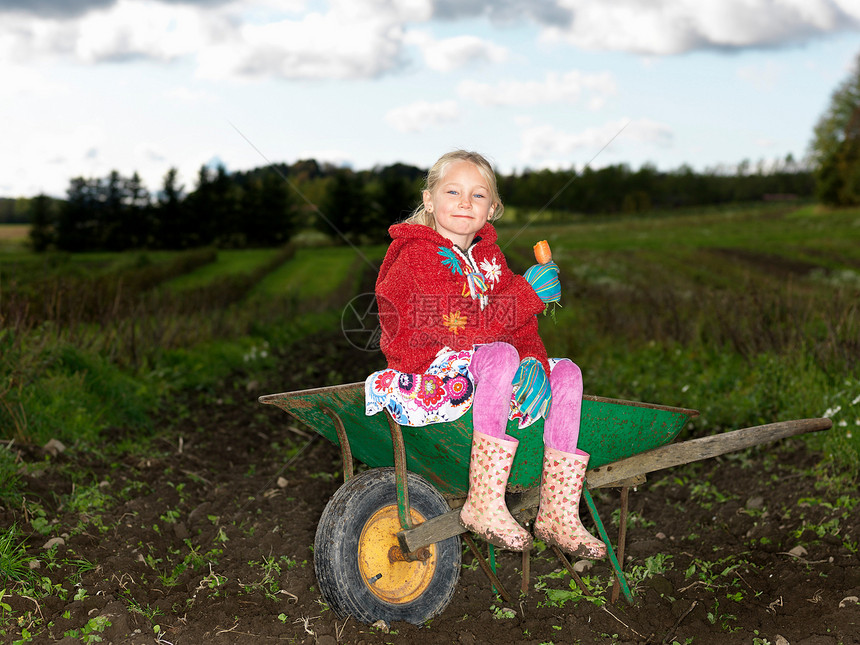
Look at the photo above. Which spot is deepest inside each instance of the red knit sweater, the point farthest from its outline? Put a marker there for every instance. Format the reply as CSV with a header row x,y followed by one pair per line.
x,y
422,306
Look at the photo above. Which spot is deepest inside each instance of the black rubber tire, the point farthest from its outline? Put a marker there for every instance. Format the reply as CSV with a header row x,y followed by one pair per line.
x,y
336,550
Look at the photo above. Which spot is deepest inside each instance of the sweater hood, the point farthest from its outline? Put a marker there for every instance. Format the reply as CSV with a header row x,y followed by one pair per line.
x,y
406,232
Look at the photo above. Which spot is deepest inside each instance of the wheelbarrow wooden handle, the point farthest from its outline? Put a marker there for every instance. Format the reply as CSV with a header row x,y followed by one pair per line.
x,y
686,452
623,470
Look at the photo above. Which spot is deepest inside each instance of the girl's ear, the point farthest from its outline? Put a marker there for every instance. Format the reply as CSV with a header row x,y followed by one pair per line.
x,y
428,201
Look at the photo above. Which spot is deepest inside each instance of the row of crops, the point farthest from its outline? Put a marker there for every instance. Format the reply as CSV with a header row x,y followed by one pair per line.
x,y
92,341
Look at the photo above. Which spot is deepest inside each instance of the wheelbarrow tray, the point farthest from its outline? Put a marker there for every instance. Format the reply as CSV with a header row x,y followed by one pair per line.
x,y
610,430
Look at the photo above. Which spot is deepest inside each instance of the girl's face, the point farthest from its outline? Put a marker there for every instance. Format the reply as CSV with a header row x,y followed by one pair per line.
x,y
461,204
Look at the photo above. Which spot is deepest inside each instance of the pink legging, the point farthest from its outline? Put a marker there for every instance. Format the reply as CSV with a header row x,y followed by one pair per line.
x,y
493,368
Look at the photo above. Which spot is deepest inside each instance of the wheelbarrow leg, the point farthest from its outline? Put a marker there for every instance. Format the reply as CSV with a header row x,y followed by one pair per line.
x,y
567,565
622,540
400,473
524,586
619,574
494,579
345,450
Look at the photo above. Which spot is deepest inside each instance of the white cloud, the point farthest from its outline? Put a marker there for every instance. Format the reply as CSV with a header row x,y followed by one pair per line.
x,y
143,29
666,27
421,115
130,29
351,39
504,12
354,39
542,144
571,88
451,53
365,38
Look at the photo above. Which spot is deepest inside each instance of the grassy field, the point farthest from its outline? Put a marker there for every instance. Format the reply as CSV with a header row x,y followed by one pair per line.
x,y
314,272
228,263
747,314
750,316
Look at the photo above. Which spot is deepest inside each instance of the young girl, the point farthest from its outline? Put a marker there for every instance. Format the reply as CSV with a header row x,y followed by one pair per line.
x,y
460,329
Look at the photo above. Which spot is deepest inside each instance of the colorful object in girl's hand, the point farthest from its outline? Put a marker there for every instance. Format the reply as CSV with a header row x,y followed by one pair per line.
x,y
542,252
544,280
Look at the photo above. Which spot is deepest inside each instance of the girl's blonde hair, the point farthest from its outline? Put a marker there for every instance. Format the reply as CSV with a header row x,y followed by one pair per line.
x,y
434,177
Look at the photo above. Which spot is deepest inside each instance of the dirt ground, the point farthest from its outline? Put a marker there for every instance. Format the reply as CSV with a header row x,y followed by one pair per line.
x,y
209,540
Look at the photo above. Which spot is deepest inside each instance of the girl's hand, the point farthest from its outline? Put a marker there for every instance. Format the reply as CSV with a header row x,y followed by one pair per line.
x,y
531,387
544,280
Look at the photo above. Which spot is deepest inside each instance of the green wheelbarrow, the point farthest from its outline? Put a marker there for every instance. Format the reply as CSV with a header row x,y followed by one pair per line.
x,y
387,546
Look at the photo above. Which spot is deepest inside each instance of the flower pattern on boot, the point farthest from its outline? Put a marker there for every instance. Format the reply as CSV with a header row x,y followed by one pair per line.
x,y
558,520
485,511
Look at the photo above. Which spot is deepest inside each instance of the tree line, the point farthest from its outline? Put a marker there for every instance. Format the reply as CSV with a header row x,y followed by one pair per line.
x,y
267,206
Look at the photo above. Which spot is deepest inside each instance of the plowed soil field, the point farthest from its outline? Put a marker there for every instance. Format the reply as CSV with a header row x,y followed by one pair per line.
x,y
208,539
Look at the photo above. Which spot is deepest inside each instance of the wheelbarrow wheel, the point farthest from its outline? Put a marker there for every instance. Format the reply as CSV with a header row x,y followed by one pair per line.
x,y
359,566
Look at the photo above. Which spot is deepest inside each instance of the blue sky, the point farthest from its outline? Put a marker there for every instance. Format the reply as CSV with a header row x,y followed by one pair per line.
x,y
89,86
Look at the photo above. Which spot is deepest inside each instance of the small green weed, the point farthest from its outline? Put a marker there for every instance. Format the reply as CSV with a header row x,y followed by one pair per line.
x,y
656,564
715,615
706,494
502,613
89,633
14,561
559,597
270,584
634,519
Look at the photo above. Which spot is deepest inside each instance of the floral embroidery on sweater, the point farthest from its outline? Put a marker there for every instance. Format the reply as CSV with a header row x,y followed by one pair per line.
x,y
454,321
492,271
450,260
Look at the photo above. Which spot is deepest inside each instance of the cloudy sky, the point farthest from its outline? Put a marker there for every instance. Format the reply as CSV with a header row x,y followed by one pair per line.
x,y
87,86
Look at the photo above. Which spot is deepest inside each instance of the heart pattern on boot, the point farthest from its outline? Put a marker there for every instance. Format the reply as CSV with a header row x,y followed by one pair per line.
x,y
558,520
485,511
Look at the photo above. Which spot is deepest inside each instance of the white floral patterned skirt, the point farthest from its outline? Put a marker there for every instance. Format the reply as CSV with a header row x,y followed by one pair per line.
x,y
443,393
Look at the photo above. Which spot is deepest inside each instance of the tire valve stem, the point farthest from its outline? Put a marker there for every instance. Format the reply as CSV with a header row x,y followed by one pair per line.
x,y
375,578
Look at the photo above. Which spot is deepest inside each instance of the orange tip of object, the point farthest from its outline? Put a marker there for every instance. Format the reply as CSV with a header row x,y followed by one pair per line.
x,y
542,252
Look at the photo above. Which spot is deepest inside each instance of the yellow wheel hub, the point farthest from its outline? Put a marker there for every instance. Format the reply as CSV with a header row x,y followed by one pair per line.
x,y
385,571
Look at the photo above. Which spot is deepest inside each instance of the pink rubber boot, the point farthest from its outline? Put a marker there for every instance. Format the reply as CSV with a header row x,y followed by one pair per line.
x,y
493,367
485,511
558,520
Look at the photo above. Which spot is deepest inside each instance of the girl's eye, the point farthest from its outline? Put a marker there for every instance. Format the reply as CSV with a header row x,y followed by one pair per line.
x,y
452,192
479,196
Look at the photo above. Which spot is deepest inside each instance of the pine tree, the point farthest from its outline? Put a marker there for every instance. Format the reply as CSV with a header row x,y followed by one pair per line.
x,y
43,223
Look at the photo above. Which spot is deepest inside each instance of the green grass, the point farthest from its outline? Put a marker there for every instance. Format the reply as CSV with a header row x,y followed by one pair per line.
x,y
23,267
14,561
228,263
71,382
748,227
312,273
750,317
